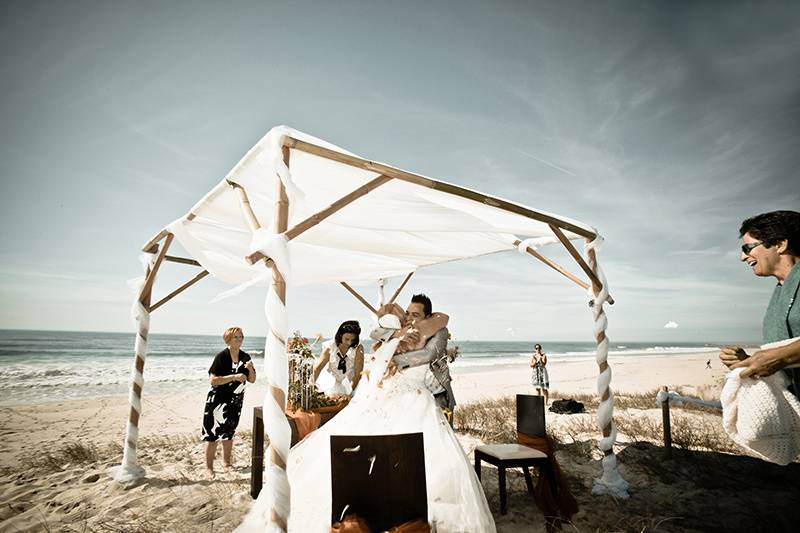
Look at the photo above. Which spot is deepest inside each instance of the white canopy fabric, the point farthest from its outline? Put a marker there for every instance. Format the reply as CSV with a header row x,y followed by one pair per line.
x,y
394,229
407,222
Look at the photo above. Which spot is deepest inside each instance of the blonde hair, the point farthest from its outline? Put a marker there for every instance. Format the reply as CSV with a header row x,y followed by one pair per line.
x,y
230,332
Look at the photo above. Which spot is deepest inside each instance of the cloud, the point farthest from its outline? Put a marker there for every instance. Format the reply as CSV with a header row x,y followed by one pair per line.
x,y
671,325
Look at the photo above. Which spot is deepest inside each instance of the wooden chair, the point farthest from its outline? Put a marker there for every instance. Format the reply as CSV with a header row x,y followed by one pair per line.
x,y
381,478
530,421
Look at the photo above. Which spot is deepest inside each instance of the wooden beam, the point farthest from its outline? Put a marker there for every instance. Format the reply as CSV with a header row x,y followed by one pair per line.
x,y
577,256
359,298
147,288
433,184
247,209
182,260
558,268
151,246
400,288
179,290
345,200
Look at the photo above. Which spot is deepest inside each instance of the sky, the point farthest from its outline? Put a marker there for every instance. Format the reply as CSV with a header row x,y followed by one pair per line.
x,y
662,124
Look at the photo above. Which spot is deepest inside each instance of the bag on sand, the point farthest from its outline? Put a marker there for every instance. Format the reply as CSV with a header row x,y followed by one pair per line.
x,y
567,407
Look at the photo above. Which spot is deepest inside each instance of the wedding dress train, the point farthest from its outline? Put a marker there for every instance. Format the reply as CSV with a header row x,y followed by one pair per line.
x,y
401,404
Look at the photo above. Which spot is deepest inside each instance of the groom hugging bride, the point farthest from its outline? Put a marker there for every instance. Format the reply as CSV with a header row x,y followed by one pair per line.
x,y
405,386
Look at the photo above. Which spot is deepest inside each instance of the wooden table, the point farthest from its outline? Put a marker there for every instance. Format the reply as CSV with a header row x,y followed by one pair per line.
x,y
257,456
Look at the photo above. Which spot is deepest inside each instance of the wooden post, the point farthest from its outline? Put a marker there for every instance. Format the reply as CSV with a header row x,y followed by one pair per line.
x,y
666,423
359,298
281,221
579,259
400,288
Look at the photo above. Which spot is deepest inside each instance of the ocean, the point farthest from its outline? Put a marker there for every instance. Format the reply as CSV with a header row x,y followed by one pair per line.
x,y
44,366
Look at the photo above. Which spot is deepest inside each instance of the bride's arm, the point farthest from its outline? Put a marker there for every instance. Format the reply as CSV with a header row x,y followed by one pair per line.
x,y
435,348
358,366
323,360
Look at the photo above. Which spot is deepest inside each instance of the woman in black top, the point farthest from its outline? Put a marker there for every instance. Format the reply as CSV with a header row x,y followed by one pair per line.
x,y
228,373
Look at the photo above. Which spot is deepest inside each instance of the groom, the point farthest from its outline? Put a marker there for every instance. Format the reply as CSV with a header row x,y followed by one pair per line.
x,y
434,353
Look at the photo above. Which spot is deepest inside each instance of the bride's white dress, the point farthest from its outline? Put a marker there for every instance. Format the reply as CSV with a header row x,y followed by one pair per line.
x,y
402,404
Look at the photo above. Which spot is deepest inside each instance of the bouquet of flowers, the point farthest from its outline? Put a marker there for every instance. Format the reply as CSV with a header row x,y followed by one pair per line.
x,y
303,393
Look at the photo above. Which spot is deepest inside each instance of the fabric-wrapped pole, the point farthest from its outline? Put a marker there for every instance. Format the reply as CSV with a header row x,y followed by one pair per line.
x,y
611,482
130,470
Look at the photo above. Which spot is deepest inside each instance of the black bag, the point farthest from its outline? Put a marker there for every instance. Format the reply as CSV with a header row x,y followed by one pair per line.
x,y
567,407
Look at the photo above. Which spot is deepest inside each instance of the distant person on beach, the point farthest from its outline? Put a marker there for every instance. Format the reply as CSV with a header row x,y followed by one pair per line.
x,y
231,368
708,363
771,247
539,378
344,358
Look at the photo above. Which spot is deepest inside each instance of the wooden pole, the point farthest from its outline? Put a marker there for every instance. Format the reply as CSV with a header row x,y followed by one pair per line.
x,y
147,288
247,209
151,246
182,260
400,288
577,256
359,298
666,423
558,268
434,184
281,221
316,218
179,290
345,200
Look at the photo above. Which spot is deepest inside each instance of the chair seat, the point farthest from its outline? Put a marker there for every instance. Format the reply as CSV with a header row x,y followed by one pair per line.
x,y
509,452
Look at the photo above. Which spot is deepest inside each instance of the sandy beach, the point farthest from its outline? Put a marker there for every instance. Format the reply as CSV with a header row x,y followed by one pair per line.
x,y
55,455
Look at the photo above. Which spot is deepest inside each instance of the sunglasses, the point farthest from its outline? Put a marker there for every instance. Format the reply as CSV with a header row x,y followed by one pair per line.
x,y
747,248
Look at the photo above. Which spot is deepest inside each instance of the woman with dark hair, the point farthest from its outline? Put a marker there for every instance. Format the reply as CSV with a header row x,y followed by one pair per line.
x,y
539,377
344,357
232,367
771,248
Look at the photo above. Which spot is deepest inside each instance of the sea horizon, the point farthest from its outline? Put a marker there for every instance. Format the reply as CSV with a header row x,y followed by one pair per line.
x,y
39,366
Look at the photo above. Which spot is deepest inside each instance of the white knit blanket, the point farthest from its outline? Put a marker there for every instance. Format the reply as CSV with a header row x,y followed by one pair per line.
x,y
761,415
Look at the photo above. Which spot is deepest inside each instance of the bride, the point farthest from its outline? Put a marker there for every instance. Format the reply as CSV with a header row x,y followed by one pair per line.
x,y
400,404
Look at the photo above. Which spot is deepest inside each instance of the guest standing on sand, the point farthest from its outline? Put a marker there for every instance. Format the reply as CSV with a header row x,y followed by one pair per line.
x,y
771,247
227,375
539,378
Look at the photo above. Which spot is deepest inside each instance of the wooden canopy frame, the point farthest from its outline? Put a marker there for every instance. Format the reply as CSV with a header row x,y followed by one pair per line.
x,y
385,174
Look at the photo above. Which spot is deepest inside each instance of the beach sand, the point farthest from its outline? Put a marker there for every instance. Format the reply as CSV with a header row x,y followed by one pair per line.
x,y
54,457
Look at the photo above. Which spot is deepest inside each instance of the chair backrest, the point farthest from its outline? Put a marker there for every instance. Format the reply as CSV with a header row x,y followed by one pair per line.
x,y
530,415
381,478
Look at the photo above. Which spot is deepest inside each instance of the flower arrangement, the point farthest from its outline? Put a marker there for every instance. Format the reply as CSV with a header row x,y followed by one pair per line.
x,y
303,393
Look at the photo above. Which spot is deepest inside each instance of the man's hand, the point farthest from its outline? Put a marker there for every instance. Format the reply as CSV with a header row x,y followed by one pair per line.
x,y
391,370
249,365
412,336
730,355
760,364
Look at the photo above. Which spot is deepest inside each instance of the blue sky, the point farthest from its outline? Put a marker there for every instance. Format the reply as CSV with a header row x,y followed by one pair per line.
x,y
663,124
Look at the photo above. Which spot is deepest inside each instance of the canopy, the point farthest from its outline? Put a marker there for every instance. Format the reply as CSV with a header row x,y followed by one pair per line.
x,y
396,228
315,213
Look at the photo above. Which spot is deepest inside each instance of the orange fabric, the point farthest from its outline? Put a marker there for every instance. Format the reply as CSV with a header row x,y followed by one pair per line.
x,y
305,421
556,502
351,524
414,526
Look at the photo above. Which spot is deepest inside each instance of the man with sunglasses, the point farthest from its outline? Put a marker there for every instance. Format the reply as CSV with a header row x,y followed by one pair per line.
x,y
772,249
